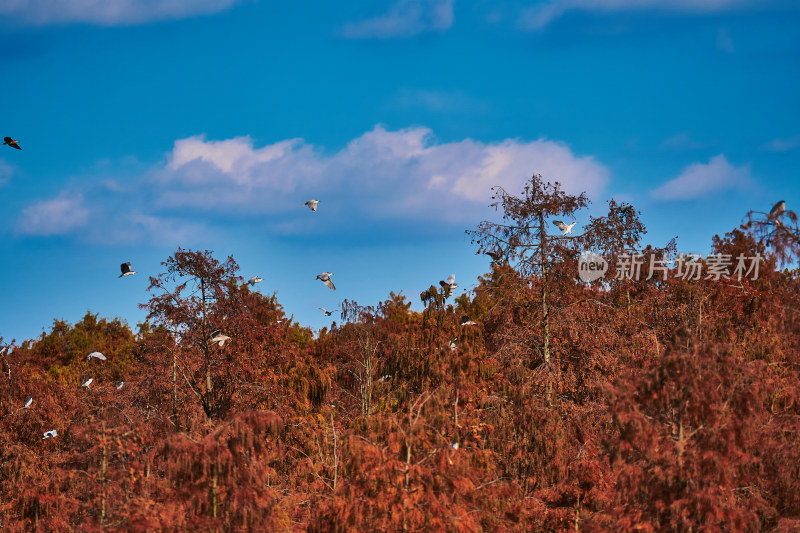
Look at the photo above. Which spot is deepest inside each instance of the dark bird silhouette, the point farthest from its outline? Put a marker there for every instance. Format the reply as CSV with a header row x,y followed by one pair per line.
x,y
126,269
11,142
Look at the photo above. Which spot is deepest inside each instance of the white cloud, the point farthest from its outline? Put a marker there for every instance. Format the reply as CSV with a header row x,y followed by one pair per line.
x,y
108,12
385,174
6,171
783,145
724,42
405,18
58,216
701,179
543,13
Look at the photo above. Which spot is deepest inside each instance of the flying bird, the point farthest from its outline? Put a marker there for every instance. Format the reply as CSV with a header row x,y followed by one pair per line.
x,y
87,383
96,355
777,210
563,227
220,338
325,312
11,142
120,384
325,278
465,321
126,269
28,403
496,256
50,434
254,280
312,204
450,283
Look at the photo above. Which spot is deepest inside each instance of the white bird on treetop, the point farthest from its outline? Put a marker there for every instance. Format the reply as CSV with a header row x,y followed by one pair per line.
x,y
96,355
254,280
312,204
563,227
50,434
450,283
325,278
87,383
126,269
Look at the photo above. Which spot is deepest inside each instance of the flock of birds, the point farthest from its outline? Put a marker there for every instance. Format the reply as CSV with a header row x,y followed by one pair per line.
x,y
448,285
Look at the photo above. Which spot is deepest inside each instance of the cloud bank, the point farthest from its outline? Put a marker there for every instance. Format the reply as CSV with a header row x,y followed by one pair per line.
x,y
701,179
108,12
403,176
406,18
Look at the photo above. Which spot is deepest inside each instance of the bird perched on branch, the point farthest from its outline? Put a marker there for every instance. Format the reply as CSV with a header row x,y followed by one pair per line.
x,y
777,210
50,434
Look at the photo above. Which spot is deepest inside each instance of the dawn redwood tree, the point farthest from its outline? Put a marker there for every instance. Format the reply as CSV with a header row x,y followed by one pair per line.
x,y
185,300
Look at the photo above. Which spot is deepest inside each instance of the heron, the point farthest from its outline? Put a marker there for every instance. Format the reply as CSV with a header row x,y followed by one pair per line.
x,y
465,321
777,210
312,204
325,312
563,227
325,278
28,403
11,142
50,434
126,269
450,283
254,280
87,383
220,338
96,355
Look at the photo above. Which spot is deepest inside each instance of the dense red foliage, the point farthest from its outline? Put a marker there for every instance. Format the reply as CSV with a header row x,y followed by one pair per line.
x,y
621,405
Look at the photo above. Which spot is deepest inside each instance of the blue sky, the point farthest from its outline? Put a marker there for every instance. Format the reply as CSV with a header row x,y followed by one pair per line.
x,y
148,125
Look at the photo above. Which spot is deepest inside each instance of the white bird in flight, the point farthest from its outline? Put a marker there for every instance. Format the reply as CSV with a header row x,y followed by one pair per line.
x,y
325,278
96,355
312,204
50,434
465,321
254,280
28,403
563,227
325,312
220,338
126,269
87,383
450,282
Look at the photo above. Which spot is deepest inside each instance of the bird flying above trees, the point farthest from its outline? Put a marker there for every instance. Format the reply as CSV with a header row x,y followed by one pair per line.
x,y
312,204
496,256
96,355
87,383
50,434
254,280
126,269
11,142
465,321
450,283
563,227
325,278
28,403
325,312
219,337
